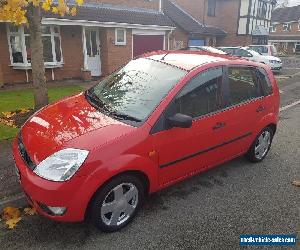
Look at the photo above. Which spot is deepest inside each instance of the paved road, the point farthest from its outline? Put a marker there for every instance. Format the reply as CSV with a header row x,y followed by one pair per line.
x,y
208,211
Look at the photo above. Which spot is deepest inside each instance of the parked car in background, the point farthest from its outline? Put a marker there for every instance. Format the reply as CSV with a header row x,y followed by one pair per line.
x,y
206,49
157,120
273,62
266,50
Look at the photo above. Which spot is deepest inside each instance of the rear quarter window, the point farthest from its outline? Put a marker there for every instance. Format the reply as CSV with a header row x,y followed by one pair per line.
x,y
264,81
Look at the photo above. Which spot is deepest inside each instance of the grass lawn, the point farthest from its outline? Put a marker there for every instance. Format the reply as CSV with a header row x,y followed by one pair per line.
x,y
7,132
18,99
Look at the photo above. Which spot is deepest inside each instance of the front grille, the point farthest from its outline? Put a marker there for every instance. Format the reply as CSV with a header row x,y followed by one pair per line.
x,y
24,154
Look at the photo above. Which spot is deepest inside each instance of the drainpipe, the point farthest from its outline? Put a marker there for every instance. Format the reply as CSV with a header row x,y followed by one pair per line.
x,y
160,6
203,14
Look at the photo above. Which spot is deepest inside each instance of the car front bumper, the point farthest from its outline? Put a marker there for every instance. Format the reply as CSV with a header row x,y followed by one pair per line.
x,y
73,195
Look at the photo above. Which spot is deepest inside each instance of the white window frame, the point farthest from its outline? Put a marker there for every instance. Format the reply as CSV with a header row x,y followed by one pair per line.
x,y
21,33
286,27
299,26
116,36
272,28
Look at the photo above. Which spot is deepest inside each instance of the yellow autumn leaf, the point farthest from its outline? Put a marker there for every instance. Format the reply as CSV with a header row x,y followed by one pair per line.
x,y
54,10
24,110
73,11
8,114
36,2
30,211
46,6
12,223
79,2
10,213
9,123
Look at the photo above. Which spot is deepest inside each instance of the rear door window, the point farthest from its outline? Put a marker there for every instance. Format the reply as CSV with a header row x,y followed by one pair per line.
x,y
243,84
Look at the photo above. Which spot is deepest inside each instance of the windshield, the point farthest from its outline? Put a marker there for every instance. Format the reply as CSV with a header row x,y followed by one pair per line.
x,y
255,53
135,90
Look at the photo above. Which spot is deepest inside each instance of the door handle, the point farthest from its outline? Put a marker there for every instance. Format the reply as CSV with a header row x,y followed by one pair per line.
x,y
219,125
260,109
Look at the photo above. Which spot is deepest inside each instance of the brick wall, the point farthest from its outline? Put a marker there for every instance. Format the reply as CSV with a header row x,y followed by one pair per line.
x,y
1,76
113,56
154,4
178,39
226,18
279,30
72,52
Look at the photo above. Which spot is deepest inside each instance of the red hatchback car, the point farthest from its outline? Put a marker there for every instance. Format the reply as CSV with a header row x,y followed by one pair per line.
x,y
159,119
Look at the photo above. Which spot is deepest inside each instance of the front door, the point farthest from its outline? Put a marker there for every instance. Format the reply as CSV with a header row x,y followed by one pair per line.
x,y
183,151
93,51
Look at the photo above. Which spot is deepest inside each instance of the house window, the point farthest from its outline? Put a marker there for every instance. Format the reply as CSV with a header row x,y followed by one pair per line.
x,y
120,36
211,7
19,45
262,9
286,27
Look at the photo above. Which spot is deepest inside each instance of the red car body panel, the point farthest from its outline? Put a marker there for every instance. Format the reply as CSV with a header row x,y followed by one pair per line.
x,y
115,147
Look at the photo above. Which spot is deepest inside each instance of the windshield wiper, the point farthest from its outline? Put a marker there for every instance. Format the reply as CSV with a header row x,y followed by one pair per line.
x,y
99,104
124,116
95,101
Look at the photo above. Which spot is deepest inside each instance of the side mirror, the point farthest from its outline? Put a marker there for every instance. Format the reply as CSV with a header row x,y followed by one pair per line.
x,y
180,121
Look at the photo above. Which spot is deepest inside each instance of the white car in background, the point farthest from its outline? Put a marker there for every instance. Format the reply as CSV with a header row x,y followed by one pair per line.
x,y
272,61
209,49
266,50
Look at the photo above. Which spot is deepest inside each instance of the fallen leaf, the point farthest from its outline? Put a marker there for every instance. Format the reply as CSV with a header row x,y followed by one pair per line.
x,y
8,114
24,110
12,223
11,213
30,211
296,183
12,216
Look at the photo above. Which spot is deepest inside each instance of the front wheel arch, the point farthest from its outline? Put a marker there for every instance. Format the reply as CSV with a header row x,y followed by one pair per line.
x,y
137,173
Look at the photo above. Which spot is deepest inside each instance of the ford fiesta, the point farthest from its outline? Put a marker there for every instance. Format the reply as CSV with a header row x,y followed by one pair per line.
x,y
156,121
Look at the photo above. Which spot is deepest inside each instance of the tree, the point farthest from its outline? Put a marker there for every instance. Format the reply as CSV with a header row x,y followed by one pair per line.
x,y
30,12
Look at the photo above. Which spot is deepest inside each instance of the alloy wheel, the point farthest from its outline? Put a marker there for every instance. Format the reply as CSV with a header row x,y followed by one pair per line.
x,y
262,145
119,204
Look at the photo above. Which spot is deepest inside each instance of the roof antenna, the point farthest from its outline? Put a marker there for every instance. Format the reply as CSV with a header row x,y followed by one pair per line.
x,y
163,58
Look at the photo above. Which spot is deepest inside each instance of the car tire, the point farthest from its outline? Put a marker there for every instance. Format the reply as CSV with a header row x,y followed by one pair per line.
x,y
261,145
117,203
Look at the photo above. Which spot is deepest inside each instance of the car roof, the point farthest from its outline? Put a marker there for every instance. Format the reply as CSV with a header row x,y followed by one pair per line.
x,y
187,60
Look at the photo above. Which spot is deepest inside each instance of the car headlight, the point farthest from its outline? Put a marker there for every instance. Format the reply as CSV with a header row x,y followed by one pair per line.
x,y
62,165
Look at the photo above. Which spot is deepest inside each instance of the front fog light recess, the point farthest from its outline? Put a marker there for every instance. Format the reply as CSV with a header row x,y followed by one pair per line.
x,y
53,211
57,210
